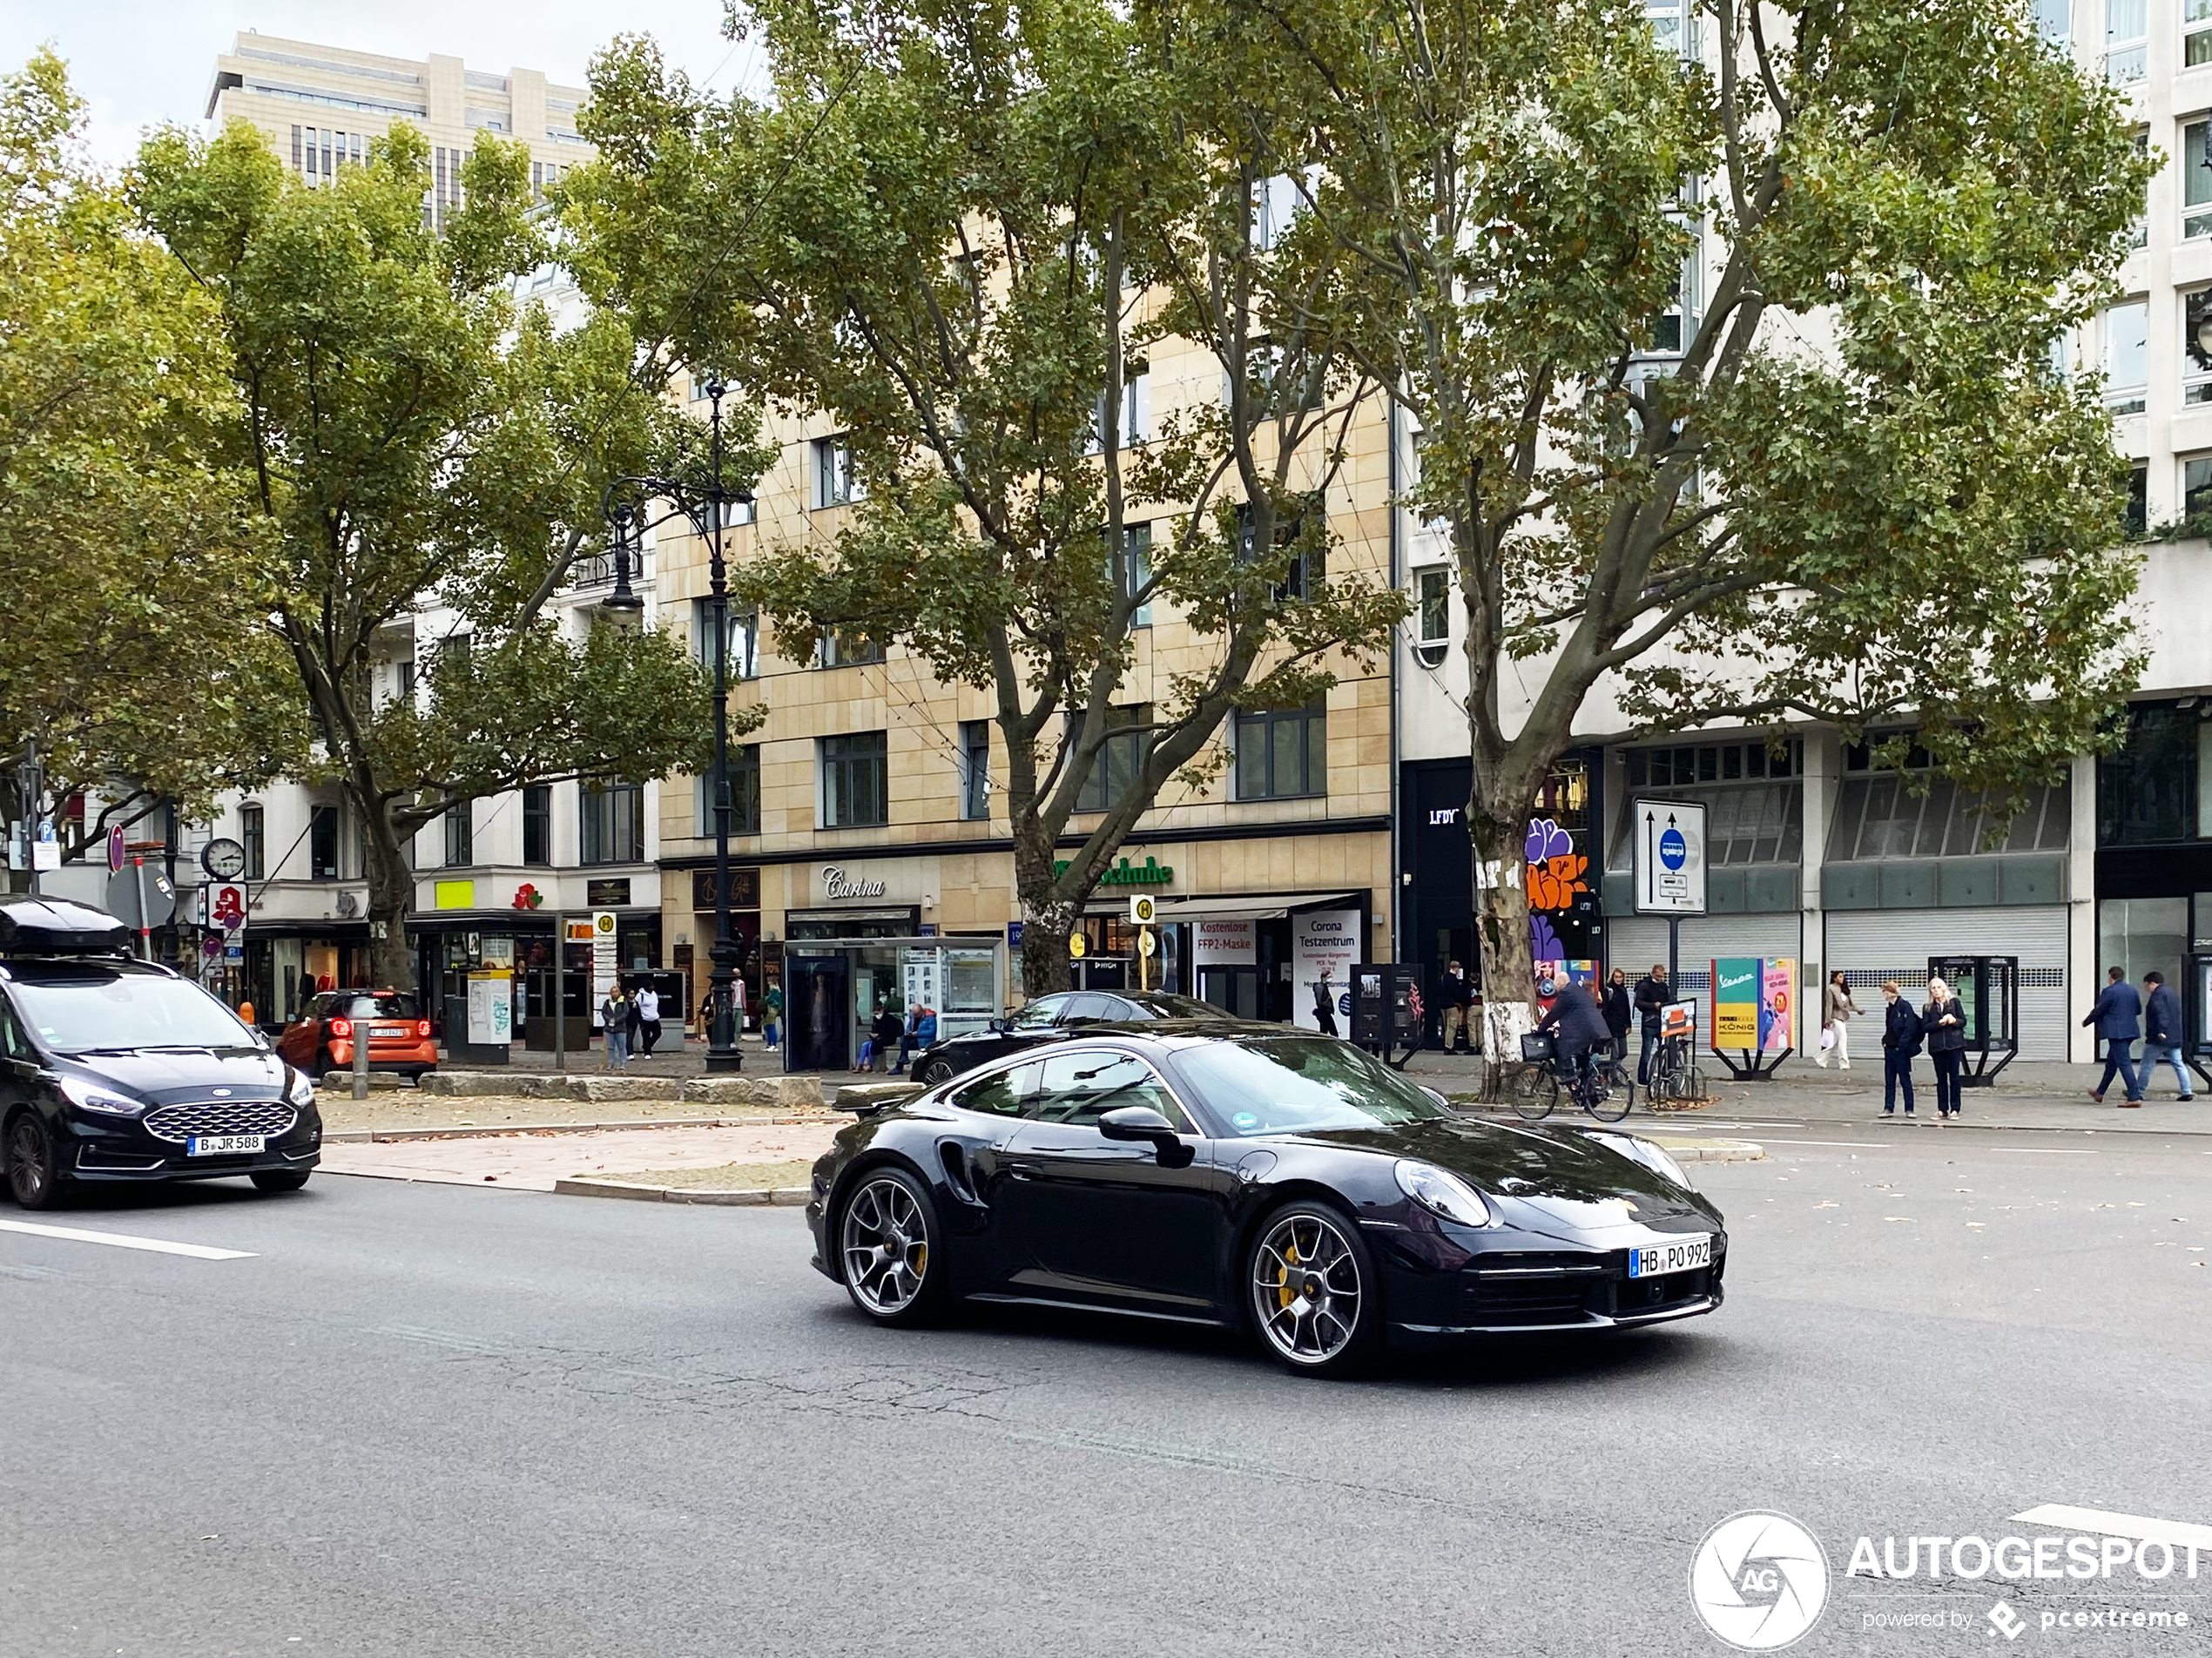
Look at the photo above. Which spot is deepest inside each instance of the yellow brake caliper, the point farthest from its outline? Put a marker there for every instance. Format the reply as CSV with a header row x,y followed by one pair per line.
x,y
1283,1295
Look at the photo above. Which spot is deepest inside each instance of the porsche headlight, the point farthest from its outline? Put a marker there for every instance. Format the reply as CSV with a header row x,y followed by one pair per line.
x,y
94,1097
1443,1194
1651,1155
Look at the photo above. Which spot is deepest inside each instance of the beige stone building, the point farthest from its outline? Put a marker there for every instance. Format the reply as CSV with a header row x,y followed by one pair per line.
x,y
874,858
321,105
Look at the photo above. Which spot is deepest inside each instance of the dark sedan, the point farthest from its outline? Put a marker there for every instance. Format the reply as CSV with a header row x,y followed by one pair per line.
x,y
1052,1019
1282,1183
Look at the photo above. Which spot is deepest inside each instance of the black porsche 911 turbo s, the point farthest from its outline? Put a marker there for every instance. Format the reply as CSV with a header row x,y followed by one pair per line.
x,y
1274,1181
1052,1019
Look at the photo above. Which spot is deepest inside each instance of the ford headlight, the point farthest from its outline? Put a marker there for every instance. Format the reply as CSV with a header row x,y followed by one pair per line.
x,y
1443,1194
94,1097
1652,1156
300,1091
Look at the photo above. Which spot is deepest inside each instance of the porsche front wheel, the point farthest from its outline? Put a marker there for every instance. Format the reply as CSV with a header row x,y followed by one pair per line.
x,y
1315,1298
887,1247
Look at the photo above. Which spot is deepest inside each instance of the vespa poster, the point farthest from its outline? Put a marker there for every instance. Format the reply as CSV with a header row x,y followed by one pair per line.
x,y
1753,1002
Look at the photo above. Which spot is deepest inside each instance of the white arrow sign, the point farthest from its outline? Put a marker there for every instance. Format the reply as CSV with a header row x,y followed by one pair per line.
x,y
1670,857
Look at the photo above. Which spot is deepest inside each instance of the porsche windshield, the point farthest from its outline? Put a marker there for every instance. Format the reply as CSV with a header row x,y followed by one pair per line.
x,y
94,1010
1298,1084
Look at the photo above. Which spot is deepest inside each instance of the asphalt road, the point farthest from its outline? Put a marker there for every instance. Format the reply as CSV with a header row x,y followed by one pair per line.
x,y
428,1420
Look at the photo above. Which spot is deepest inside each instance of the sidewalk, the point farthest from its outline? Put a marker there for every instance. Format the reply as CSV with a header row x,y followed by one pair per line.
x,y
536,1162
2028,1094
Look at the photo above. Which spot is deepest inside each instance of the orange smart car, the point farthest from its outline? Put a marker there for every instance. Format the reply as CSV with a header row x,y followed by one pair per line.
x,y
321,1040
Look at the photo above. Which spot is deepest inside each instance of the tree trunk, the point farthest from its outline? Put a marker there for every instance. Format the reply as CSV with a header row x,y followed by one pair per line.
x,y
1499,831
391,895
1048,917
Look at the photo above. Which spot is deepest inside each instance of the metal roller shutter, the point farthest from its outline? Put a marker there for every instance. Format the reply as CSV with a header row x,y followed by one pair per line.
x,y
1635,942
1874,944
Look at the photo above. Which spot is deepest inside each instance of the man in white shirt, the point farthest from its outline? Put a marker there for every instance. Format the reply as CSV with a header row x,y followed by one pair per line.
x,y
648,1019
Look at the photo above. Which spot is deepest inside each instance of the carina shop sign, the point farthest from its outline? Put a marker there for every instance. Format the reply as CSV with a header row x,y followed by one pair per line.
x,y
1752,1003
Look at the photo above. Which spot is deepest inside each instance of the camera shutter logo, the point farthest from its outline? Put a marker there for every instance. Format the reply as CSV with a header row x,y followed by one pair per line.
x,y
1759,1581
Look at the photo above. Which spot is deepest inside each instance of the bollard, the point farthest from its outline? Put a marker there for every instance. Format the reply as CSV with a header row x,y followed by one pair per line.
x,y
361,1061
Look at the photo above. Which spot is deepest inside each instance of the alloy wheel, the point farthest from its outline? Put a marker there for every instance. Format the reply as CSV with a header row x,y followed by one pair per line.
x,y
885,1246
27,1172
1306,1289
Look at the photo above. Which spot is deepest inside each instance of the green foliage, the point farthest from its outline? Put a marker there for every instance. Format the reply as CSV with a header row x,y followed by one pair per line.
x,y
412,440
942,234
130,645
1855,492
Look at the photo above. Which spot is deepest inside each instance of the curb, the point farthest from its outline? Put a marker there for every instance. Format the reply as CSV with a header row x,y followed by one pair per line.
x,y
1716,1151
779,1196
393,1136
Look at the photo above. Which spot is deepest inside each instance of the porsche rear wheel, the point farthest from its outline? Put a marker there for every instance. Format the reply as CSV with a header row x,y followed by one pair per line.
x,y
887,1247
933,1072
1316,1299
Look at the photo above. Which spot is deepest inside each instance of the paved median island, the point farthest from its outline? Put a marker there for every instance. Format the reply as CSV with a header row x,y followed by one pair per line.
x,y
542,1158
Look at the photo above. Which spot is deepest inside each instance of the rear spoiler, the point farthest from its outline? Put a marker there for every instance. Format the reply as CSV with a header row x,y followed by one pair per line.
x,y
866,1100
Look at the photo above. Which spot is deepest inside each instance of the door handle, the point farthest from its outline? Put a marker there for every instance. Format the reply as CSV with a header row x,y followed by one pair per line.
x,y
1016,1169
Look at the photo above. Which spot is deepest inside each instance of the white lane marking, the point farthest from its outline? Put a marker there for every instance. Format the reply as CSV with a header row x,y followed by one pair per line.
x,y
2112,1525
124,1241
1856,1145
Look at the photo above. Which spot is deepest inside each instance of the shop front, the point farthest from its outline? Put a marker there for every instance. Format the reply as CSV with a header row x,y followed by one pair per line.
x,y
1277,956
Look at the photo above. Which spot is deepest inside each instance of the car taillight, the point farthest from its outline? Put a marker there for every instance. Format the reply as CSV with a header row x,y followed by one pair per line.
x,y
342,1027
422,1027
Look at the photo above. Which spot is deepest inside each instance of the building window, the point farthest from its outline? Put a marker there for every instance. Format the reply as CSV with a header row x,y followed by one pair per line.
x,y
1433,614
1135,425
537,823
1308,570
744,660
845,648
1120,757
2127,356
2197,32
1879,815
975,769
1688,765
2196,490
1136,569
745,794
322,843
2125,42
2055,22
612,819
252,834
855,781
2138,515
460,835
2196,179
1670,25
1283,753
833,485
2196,346
2153,790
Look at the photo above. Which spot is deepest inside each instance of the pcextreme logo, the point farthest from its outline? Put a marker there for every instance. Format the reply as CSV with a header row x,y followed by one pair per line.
x,y
1759,1581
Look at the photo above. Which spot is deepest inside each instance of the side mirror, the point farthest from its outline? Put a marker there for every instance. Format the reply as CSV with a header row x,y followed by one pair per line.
x,y
1437,1095
1142,1122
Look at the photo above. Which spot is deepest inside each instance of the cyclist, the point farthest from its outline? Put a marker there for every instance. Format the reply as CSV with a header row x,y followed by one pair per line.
x,y
1581,1023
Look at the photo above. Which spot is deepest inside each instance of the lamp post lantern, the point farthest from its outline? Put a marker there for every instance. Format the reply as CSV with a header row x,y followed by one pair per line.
x,y
705,502
30,789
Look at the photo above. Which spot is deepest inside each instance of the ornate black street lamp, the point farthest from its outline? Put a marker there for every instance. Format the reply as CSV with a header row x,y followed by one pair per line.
x,y
705,502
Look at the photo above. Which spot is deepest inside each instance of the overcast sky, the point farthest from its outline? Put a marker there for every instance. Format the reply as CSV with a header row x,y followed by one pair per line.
x,y
143,62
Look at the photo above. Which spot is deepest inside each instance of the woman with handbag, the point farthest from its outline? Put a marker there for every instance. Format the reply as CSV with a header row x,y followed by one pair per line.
x,y
1837,1010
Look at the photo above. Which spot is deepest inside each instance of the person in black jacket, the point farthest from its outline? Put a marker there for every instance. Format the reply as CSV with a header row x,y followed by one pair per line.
x,y
1454,998
1944,1022
1651,996
1580,1024
1619,1010
1900,1042
2162,1032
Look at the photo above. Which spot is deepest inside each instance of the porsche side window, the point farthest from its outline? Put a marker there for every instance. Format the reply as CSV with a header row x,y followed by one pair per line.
x,y
1092,1008
1077,1087
998,1095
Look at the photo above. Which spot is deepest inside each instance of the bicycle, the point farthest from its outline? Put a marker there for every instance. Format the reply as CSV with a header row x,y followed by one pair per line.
x,y
1607,1091
1674,1072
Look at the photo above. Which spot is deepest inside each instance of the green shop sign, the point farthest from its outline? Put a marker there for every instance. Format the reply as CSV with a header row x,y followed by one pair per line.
x,y
1148,873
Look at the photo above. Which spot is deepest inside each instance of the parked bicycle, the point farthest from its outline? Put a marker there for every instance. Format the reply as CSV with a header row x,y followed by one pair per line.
x,y
1674,1076
1606,1089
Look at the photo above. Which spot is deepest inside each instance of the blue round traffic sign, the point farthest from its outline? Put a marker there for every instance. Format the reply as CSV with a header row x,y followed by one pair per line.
x,y
1674,851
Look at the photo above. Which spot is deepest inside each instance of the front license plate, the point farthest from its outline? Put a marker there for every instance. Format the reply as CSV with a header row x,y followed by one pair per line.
x,y
225,1145
1684,1254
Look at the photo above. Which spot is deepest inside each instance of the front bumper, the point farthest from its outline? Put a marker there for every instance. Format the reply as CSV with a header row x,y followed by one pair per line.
x,y
103,1151
1542,1289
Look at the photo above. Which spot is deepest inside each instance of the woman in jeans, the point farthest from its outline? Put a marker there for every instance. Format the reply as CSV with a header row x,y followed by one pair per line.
x,y
1944,1021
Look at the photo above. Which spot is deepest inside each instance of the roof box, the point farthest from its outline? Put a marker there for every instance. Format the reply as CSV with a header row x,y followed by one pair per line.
x,y
55,927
